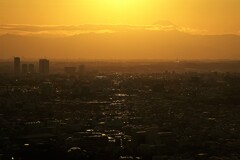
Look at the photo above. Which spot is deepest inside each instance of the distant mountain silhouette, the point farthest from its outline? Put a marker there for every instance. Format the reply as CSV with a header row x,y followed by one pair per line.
x,y
139,44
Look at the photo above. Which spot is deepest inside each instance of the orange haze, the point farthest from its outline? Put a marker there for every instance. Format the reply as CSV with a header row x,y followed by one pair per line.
x,y
120,29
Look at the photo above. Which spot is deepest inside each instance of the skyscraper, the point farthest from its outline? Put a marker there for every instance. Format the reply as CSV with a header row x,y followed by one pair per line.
x,y
17,65
43,66
31,68
24,69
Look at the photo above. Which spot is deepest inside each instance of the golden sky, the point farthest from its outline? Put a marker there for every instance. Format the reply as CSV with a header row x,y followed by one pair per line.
x,y
215,16
120,29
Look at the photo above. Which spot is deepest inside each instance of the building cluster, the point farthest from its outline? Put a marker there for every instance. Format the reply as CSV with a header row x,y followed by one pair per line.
x,y
25,68
116,116
43,68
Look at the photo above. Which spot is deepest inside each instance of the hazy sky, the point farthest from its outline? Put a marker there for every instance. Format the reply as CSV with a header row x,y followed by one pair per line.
x,y
120,29
216,16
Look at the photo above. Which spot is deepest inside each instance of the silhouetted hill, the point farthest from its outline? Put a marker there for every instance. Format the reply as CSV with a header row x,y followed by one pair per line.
x,y
140,44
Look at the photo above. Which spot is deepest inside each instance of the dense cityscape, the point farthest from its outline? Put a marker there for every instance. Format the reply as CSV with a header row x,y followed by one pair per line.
x,y
81,113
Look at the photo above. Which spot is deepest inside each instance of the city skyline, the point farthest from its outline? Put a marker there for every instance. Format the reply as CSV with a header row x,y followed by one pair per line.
x,y
119,79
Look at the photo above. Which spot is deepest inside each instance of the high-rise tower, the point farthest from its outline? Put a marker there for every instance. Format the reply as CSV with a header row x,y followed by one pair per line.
x,y
24,69
17,65
43,66
31,68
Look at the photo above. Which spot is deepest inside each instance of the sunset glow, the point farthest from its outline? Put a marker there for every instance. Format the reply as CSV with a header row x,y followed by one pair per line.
x,y
119,79
215,16
159,25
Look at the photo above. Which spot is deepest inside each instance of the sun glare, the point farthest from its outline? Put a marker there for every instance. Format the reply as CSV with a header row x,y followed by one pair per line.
x,y
120,4
113,11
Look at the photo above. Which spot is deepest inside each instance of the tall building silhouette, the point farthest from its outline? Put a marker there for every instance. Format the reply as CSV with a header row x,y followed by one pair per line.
x,y
17,65
43,66
24,69
31,68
